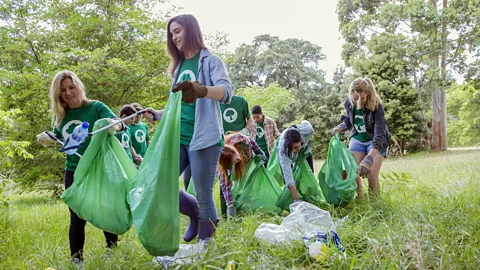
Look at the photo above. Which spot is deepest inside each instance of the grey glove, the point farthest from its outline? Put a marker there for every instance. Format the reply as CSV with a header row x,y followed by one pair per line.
x,y
231,211
339,129
299,200
245,132
309,147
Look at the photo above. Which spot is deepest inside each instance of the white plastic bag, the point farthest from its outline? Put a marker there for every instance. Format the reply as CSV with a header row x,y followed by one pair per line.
x,y
305,218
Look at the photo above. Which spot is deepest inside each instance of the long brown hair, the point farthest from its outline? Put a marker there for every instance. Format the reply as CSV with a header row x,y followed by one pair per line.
x,y
192,40
226,161
365,85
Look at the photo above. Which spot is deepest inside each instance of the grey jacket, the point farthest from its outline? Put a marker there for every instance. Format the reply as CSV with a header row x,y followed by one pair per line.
x,y
375,125
208,127
286,162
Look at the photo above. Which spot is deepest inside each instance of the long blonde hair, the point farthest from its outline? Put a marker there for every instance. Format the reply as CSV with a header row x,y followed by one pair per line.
x,y
365,85
58,105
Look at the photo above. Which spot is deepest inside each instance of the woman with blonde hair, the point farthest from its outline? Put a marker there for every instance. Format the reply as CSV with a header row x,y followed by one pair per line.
x,y
71,108
370,136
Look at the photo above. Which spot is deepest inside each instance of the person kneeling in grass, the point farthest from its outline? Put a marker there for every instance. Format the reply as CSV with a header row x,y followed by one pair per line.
x,y
237,152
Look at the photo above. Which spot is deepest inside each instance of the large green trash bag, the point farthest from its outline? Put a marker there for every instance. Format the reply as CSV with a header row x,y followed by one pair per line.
x,y
306,184
273,166
191,188
154,199
102,181
338,174
257,190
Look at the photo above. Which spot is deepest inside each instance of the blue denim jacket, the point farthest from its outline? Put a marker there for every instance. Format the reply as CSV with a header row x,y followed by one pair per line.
x,y
208,127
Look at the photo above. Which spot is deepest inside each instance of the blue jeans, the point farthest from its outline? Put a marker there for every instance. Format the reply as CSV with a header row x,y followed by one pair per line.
x,y
364,147
203,164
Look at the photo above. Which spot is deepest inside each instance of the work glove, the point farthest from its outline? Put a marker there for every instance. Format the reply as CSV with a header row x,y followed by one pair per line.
x,y
191,91
365,166
245,132
45,140
231,211
339,129
261,154
298,200
113,129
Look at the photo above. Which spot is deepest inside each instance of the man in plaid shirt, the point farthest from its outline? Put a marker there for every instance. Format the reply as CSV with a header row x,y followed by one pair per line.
x,y
264,130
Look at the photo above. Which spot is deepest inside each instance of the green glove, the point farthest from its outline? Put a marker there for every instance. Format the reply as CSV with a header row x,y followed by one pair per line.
x,y
191,91
365,166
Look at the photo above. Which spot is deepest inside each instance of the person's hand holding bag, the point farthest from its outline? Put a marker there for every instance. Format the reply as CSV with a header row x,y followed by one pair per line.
x,y
191,91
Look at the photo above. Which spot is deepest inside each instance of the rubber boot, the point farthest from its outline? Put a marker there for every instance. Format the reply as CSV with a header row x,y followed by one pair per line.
x,y
206,229
189,207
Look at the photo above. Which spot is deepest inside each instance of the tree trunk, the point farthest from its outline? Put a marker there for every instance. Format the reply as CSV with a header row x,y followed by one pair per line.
x,y
439,104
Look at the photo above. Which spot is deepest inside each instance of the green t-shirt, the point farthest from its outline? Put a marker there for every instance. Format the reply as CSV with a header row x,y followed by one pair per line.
x,y
139,136
362,134
188,71
126,140
74,117
235,114
260,139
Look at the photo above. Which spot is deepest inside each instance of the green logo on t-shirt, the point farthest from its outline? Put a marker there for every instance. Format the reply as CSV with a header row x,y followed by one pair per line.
x,y
359,124
140,136
69,127
260,132
186,75
230,115
125,140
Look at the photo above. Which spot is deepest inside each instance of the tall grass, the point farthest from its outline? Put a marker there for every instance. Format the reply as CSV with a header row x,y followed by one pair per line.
x,y
427,217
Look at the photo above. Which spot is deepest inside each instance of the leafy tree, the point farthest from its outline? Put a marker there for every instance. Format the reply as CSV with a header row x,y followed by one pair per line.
x,y
272,99
463,119
435,36
116,47
9,148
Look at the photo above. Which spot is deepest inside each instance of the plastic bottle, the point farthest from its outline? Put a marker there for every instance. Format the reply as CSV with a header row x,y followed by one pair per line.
x,y
76,139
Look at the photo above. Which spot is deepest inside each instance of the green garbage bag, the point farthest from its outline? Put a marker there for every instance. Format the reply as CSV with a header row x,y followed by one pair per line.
x,y
191,188
306,184
154,198
338,174
257,189
102,181
273,166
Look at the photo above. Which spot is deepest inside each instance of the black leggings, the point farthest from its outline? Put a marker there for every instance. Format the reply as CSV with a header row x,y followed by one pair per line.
x,y
76,233
310,162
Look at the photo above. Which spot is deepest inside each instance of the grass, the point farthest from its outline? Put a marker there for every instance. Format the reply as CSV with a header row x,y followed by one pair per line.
x,y
427,217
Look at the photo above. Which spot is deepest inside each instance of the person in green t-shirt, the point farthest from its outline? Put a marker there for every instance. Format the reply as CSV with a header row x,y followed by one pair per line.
x,y
70,108
236,117
370,136
139,134
125,137
203,81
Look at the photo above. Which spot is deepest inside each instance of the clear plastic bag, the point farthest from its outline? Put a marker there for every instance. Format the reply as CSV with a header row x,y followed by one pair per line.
x,y
305,218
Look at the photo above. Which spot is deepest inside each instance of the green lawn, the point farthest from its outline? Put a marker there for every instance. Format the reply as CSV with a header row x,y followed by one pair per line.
x,y
427,217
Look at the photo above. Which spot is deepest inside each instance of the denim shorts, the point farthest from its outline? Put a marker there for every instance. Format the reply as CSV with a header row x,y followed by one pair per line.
x,y
364,147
